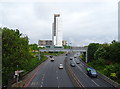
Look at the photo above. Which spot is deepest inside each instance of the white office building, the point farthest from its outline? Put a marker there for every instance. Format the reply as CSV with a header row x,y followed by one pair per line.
x,y
57,31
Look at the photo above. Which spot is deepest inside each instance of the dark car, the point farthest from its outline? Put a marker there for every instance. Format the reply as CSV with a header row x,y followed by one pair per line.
x,y
51,56
75,57
91,72
66,54
72,64
71,58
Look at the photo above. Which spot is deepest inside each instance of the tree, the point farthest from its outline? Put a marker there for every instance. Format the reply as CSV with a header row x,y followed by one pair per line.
x,y
33,47
115,52
102,52
15,51
92,47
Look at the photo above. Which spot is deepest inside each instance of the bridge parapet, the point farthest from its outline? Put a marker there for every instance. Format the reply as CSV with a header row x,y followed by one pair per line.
x,y
64,50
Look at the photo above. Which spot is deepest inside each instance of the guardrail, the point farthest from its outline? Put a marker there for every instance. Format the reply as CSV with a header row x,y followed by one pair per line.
x,y
114,84
73,77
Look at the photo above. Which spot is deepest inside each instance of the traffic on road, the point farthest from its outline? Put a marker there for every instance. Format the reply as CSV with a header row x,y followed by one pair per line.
x,y
53,73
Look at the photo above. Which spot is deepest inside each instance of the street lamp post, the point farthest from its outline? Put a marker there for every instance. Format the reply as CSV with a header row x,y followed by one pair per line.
x,y
39,54
70,46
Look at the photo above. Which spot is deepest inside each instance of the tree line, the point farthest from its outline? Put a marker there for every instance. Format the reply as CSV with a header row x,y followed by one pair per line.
x,y
105,58
17,53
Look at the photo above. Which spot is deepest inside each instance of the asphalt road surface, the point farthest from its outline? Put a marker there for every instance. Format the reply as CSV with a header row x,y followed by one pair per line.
x,y
49,75
80,72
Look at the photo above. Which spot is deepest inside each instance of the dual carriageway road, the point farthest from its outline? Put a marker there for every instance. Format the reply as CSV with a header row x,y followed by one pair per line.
x,y
49,75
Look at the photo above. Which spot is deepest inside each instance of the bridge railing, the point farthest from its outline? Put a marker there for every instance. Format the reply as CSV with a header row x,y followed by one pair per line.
x,y
62,49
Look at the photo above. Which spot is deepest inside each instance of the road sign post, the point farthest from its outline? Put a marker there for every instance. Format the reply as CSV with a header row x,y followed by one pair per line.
x,y
17,75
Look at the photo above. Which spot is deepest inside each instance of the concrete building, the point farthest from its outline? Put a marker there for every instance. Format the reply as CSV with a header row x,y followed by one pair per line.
x,y
56,41
64,42
49,43
56,33
45,43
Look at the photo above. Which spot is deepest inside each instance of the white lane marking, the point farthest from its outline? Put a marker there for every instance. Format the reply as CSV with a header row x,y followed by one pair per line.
x,y
56,77
85,74
41,86
95,83
81,69
77,65
43,75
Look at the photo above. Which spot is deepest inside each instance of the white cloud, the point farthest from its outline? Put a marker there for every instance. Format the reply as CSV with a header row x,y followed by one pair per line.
x,y
83,21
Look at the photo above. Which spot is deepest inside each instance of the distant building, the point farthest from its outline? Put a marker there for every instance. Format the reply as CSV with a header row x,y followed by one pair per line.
x,y
56,33
48,43
64,42
45,43
56,41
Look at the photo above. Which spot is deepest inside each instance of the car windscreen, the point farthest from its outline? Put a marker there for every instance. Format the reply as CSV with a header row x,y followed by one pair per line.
x,y
93,71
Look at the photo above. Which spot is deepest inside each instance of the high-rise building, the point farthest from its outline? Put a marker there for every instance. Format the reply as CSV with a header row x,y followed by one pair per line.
x,y
57,33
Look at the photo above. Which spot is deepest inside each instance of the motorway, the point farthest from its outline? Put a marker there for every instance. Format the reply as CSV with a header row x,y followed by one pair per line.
x,y
49,75
86,81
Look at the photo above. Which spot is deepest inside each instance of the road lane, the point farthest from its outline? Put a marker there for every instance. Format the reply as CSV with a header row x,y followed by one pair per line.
x,y
98,81
51,76
80,71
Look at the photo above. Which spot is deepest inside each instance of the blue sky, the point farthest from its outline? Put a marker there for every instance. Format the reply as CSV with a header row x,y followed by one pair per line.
x,y
83,21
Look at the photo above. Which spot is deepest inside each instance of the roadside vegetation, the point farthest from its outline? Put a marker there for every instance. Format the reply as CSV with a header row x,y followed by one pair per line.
x,y
66,47
105,58
17,54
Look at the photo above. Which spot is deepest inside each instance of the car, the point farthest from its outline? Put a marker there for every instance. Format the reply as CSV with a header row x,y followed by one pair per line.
x,y
71,58
52,59
77,62
61,66
91,72
72,64
75,57
51,56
